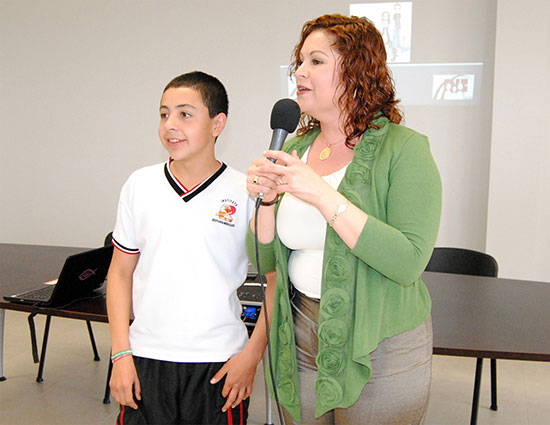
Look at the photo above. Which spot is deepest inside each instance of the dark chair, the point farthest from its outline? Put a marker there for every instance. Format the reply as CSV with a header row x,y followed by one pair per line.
x,y
107,396
108,239
465,261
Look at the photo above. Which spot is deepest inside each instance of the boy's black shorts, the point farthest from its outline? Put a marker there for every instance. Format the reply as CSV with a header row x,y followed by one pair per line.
x,y
180,393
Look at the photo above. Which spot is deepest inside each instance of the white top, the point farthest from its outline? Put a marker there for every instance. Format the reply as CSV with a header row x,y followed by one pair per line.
x,y
192,260
302,228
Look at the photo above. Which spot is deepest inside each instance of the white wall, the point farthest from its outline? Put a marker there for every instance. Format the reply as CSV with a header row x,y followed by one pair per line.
x,y
518,231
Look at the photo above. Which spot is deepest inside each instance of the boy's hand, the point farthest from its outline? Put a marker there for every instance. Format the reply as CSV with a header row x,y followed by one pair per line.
x,y
124,382
240,370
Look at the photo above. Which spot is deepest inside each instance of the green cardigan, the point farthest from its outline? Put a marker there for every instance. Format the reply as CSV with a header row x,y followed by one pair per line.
x,y
373,291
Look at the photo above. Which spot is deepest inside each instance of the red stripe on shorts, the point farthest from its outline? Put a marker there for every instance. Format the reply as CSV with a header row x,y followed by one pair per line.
x,y
121,416
241,410
229,417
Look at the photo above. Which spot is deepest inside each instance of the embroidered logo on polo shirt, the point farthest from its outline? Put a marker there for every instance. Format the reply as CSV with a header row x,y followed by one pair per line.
x,y
226,212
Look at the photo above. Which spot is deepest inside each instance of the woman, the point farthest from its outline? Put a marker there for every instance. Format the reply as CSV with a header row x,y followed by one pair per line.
x,y
351,325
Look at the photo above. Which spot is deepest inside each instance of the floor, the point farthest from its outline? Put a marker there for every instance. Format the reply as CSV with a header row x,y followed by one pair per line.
x,y
72,391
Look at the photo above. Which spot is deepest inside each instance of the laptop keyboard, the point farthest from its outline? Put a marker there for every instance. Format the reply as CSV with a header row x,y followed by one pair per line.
x,y
42,294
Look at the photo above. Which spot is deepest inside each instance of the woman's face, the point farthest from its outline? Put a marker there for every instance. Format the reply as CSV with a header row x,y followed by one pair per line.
x,y
317,77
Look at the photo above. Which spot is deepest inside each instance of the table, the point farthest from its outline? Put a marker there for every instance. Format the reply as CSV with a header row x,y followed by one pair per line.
x,y
472,316
487,317
24,267
490,317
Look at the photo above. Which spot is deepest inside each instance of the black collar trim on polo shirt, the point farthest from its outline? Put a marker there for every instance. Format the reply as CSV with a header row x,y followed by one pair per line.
x,y
181,190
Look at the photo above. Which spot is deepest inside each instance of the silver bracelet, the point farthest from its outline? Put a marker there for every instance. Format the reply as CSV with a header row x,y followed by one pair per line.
x,y
339,210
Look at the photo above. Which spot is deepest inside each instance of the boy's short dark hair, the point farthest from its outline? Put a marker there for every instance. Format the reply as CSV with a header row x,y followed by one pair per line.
x,y
211,89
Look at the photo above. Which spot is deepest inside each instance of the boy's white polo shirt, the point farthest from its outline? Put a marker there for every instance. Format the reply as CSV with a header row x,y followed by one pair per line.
x,y
192,260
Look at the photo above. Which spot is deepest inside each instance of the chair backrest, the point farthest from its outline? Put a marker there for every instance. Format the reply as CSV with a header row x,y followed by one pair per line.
x,y
462,261
108,239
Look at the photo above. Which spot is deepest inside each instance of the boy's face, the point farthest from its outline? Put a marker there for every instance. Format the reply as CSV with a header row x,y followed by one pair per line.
x,y
186,130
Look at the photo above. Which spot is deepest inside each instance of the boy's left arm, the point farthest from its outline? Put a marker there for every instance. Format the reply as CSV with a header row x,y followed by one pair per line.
x,y
241,368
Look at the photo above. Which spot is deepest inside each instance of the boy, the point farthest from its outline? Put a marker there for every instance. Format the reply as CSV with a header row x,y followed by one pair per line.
x,y
180,257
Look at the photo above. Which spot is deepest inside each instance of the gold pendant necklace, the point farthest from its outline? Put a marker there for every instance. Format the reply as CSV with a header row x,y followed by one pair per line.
x,y
325,153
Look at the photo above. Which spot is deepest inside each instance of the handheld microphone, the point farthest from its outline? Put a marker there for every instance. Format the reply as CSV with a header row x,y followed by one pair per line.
x,y
284,120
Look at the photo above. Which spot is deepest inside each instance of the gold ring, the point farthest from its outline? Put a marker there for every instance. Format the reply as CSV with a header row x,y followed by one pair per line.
x,y
256,180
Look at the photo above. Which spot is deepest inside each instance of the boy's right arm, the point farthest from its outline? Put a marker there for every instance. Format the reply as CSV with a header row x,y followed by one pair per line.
x,y
124,380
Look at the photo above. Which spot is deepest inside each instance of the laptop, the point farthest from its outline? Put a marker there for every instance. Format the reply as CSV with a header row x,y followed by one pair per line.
x,y
81,276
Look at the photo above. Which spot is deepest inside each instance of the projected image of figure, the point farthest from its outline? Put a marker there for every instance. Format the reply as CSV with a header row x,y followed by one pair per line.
x,y
385,32
397,25
394,21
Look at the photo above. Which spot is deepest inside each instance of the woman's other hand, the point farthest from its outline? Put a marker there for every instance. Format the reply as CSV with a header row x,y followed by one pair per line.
x,y
293,176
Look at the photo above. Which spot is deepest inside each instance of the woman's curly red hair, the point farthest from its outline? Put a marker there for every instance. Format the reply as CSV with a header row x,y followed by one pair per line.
x,y
365,81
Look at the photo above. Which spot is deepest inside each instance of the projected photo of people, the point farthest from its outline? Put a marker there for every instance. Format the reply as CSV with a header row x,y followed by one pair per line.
x,y
393,20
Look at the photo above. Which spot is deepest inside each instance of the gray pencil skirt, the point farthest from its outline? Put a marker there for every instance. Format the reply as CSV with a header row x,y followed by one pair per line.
x,y
398,390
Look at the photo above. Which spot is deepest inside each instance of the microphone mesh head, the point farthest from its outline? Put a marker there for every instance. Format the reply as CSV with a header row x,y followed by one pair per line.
x,y
285,114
